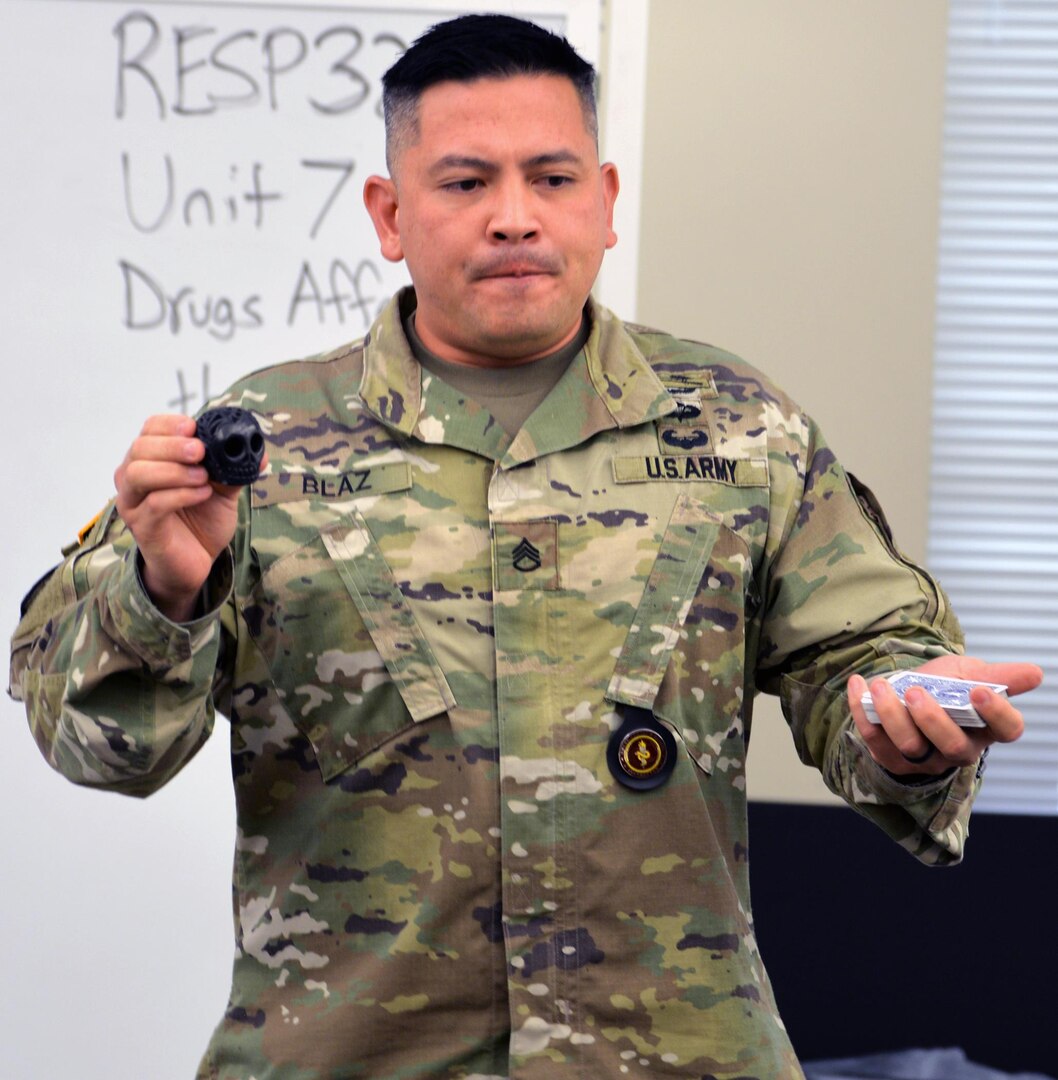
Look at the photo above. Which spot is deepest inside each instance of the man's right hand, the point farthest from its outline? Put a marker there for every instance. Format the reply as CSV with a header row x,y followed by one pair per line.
x,y
181,521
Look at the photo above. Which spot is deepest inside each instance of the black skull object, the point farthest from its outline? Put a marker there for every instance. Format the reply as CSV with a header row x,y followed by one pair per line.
x,y
234,445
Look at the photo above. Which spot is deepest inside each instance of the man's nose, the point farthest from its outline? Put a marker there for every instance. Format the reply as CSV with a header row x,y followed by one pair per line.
x,y
514,217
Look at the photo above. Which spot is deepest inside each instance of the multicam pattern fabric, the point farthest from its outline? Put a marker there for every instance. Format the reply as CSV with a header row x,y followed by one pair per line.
x,y
424,638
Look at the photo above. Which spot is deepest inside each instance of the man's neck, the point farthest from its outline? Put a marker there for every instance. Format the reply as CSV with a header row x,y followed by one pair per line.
x,y
451,354
511,397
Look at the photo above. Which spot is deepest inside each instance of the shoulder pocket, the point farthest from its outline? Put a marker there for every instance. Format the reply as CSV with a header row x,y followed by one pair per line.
x,y
60,586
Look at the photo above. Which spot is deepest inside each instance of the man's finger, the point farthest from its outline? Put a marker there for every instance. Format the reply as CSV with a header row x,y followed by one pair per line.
x,y
140,478
1005,722
903,727
169,424
167,448
164,501
1016,677
1019,678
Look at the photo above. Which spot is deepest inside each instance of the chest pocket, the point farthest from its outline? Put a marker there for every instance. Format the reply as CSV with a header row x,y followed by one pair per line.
x,y
342,644
684,654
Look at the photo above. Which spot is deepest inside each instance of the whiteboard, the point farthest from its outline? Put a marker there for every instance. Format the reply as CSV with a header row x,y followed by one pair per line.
x,y
180,203
187,178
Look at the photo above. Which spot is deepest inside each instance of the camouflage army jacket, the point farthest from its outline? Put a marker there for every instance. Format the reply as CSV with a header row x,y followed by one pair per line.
x,y
428,639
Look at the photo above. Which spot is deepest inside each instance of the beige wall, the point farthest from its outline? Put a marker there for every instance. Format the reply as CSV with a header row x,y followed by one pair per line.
x,y
790,212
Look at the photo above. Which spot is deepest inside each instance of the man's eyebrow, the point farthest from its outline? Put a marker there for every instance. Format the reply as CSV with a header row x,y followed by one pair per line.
x,y
537,161
462,161
556,157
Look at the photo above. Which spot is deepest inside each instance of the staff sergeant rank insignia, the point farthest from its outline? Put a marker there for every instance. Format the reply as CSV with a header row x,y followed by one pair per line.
x,y
641,753
526,557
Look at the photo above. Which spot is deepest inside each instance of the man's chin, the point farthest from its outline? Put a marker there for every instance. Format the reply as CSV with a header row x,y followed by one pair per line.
x,y
521,339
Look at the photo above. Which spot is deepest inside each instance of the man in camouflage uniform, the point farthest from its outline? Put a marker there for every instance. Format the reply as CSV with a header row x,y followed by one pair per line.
x,y
487,630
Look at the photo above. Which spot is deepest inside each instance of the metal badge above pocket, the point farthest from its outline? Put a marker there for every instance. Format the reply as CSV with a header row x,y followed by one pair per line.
x,y
687,430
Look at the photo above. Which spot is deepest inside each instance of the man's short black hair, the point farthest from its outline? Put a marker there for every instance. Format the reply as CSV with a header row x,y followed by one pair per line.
x,y
478,47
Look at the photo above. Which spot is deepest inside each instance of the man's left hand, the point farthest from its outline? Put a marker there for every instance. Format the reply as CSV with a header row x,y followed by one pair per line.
x,y
919,738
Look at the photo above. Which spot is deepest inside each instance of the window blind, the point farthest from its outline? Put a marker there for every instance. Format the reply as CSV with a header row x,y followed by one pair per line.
x,y
994,480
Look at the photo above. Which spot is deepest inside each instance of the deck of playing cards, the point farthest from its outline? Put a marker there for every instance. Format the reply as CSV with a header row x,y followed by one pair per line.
x,y
953,695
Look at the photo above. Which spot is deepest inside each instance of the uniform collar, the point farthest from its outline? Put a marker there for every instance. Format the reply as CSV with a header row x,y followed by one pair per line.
x,y
609,385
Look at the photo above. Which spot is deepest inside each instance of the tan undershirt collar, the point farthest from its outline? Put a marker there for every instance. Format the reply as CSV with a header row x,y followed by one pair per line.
x,y
509,393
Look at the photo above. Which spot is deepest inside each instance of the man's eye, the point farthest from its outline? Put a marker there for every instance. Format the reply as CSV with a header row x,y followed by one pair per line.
x,y
462,185
556,181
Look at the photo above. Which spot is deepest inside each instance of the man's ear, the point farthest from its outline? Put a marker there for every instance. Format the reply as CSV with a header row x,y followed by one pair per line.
x,y
380,198
610,187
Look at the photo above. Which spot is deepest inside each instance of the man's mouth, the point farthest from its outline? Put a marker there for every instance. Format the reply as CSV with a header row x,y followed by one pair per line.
x,y
515,272
515,268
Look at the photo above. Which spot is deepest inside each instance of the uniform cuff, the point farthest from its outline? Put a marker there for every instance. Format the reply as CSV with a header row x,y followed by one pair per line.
x,y
889,787
151,635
